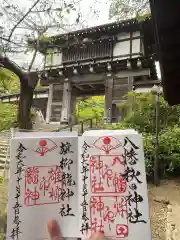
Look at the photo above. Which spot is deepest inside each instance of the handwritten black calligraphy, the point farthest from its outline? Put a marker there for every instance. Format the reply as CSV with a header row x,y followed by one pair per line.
x,y
132,176
66,192
84,172
17,206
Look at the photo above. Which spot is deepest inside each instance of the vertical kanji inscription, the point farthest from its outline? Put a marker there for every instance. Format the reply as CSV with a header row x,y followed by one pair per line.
x,y
16,231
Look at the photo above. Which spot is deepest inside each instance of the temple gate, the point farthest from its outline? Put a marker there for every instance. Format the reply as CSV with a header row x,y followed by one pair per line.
x,y
108,60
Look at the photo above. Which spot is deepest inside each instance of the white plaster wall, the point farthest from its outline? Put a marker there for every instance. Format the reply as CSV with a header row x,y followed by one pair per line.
x,y
136,43
136,34
123,48
57,59
53,59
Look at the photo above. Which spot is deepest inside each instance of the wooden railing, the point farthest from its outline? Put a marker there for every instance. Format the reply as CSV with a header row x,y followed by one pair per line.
x,y
81,126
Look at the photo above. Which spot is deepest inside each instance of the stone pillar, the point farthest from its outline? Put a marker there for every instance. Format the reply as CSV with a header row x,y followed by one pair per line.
x,y
49,103
66,102
108,98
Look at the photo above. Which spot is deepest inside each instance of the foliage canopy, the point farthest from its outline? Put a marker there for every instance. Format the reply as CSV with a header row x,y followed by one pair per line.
x,y
91,108
123,9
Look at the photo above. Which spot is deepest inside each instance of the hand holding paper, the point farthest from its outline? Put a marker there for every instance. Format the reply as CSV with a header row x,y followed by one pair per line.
x,y
55,232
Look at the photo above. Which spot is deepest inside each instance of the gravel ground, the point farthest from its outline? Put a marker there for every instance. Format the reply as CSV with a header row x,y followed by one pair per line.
x,y
159,197
158,214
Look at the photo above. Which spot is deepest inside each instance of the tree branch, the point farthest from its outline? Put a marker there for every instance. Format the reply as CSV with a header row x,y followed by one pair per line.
x,y
142,7
11,66
34,55
9,41
25,15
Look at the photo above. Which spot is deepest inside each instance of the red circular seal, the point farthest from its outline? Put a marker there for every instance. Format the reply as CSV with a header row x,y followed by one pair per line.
x,y
107,140
43,143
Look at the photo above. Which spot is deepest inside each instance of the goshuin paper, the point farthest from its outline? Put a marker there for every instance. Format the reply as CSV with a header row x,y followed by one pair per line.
x,y
96,182
43,186
113,188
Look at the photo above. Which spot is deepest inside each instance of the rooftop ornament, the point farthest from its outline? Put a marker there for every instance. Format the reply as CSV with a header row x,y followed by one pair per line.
x,y
129,65
60,73
75,71
139,64
91,69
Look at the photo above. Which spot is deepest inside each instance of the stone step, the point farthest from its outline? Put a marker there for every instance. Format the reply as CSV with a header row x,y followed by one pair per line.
x,y
4,155
2,167
3,150
3,160
4,140
4,144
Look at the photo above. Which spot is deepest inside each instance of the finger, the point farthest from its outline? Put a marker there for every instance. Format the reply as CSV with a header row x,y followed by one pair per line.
x,y
97,236
54,230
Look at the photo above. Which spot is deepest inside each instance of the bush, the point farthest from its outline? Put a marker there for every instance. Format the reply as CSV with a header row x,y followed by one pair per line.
x,y
119,126
169,150
148,142
91,108
8,116
141,114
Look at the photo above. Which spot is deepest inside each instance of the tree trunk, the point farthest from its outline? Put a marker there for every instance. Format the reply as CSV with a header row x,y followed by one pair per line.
x,y
24,111
28,84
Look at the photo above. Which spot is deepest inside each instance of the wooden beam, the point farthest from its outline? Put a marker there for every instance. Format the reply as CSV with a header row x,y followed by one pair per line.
x,y
79,87
133,73
147,82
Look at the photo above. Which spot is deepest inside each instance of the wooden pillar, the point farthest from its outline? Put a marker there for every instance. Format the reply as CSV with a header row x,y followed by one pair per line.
x,y
49,103
130,88
66,102
130,83
114,113
73,108
108,98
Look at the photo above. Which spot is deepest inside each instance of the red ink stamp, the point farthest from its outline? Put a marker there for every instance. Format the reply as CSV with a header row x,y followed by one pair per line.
x,y
106,174
106,169
107,144
45,145
43,185
122,230
109,214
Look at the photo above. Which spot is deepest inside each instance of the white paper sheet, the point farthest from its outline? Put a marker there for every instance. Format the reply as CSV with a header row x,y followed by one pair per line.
x,y
113,188
40,169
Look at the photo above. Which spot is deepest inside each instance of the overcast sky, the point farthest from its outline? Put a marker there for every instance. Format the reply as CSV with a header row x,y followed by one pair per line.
x,y
85,8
